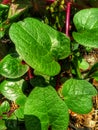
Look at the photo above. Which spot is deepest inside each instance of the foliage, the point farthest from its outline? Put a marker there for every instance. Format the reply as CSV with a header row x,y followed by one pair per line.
x,y
41,74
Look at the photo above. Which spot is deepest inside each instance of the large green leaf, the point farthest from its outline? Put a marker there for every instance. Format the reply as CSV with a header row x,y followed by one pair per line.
x,y
44,108
40,45
12,67
86,23
78,95
12,89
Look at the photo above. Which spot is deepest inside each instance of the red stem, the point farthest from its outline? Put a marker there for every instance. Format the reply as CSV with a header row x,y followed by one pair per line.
x,y
6,2
68,18
30,75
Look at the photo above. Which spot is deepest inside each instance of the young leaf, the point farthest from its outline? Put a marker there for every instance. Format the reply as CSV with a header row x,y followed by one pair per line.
x,y
12,89
12,67
83,64
45,108
78,95
40,45
86,23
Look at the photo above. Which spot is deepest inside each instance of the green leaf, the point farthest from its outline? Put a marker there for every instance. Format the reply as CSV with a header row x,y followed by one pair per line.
x,y
20,111
2,6
40,45
12,125
5,106
38,80
2,125
78,95
87,38
86,23
12,67
45,108
83,64
12,89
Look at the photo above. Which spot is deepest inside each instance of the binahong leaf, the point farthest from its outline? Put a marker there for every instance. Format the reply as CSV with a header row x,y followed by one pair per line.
x,y
78,95
12,67
86,23
45,108
12,89
40,45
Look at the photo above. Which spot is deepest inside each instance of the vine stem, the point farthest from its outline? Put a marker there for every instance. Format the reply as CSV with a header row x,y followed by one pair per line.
x,y
29,73
68,18
67,33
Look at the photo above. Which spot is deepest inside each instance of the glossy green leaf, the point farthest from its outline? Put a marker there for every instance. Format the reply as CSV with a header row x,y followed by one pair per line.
x,y
78,95
86,23
12,89
5,106
12,67
40,45
45,108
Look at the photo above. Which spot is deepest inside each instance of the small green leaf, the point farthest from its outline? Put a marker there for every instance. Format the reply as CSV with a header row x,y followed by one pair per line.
x,y
78,95
45,108
5,106
11,67
12,89
83,64
86,23
40,45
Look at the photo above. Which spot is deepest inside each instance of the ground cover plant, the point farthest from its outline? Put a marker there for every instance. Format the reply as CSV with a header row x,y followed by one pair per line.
x,y
43,71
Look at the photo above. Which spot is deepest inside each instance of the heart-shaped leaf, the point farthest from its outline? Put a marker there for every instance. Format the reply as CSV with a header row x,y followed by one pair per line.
x,y
12,67
45,108
40,45
12,89
78,95
86,23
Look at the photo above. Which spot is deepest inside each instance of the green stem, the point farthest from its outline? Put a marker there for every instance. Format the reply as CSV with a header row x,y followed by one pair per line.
x,y
76,67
